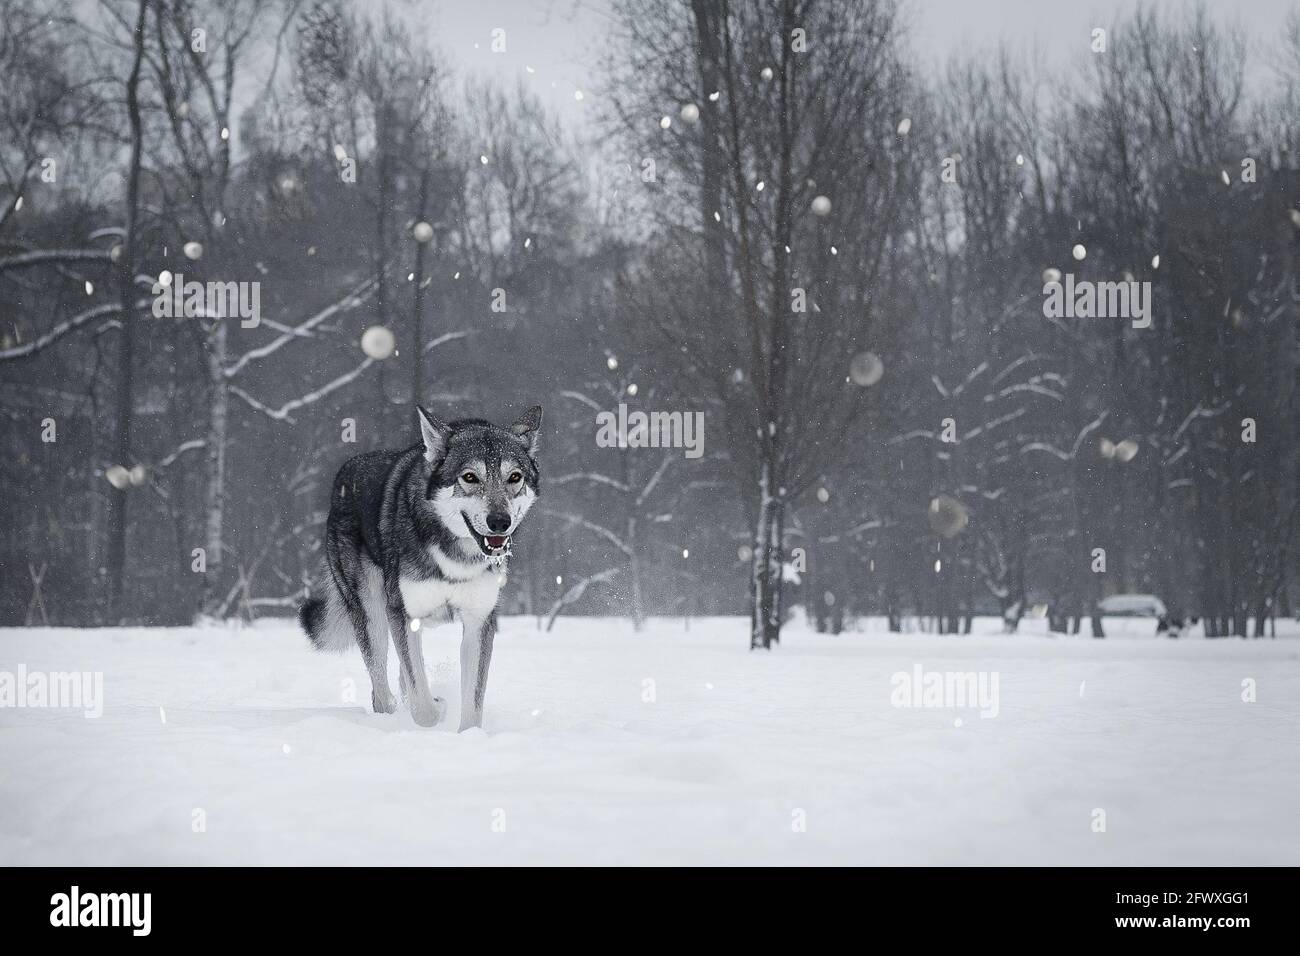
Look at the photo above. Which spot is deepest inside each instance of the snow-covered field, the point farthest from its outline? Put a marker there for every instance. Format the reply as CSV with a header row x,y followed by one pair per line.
x,y
224,746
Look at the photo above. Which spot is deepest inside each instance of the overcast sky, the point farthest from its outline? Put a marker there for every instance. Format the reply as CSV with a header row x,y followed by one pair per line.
x,y
563,40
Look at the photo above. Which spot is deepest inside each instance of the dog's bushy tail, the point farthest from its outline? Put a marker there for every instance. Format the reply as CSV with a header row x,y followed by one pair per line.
x,y
323,616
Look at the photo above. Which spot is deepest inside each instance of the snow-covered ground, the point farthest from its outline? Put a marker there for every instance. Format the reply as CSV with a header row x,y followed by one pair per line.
x,y
223,745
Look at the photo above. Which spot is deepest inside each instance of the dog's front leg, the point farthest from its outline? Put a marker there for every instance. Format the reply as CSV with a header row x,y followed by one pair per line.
x,y
425,708
475,656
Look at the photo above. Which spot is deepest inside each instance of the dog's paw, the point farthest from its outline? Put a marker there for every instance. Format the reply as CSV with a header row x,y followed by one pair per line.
x,y
385,703
428,712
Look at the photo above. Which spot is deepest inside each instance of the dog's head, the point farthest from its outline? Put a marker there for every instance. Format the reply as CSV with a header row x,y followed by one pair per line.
x,y
483,478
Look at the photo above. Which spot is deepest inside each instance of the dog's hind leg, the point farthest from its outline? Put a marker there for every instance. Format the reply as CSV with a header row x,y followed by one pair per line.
x,y
475,656
381,696
425,708
359,586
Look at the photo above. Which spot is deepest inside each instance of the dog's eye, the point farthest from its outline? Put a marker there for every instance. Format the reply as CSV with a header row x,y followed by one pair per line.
x,y
515,478
469,478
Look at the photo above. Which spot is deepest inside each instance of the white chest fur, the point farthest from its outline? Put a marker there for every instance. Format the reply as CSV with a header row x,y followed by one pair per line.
x,y
473,598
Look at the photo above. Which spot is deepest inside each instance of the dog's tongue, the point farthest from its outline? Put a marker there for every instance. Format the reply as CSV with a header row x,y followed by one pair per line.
x,y
496,540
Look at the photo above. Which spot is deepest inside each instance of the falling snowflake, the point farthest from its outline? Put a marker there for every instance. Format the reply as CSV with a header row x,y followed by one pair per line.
x,y
866,369
378,342
947,516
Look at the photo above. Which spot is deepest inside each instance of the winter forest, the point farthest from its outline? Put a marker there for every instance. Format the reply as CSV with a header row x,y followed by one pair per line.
x,y
1005,338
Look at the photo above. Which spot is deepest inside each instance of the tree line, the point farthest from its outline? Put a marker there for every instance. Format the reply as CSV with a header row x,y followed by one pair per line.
x,y
778,219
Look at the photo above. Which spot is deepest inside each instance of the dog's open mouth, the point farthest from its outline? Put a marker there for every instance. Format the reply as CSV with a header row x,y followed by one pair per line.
x,y
493,545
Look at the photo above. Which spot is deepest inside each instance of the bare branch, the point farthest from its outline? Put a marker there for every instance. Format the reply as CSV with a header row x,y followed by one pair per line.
x,y
38,257
605,533
351,300
59,331
589,476
282,413
575,593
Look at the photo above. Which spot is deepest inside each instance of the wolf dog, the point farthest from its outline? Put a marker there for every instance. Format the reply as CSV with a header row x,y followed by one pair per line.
x,y
424,533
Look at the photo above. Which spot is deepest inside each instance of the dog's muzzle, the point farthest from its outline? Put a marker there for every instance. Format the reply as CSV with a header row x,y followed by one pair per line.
x,y
493,545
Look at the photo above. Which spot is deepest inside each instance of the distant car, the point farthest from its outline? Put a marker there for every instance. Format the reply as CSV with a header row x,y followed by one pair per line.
x,y
1135,606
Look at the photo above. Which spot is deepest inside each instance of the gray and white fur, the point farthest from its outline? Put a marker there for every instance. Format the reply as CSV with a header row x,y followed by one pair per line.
x,y
424,533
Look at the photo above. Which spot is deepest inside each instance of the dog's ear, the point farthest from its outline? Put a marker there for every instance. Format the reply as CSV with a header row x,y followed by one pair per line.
x,y
435,433
527,427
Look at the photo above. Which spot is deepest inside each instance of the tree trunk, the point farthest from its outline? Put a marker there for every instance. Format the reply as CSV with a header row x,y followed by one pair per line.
x,y
707,29
125,405
1097,629
777,570
381,268
417,318
215,489
760,573
634,570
